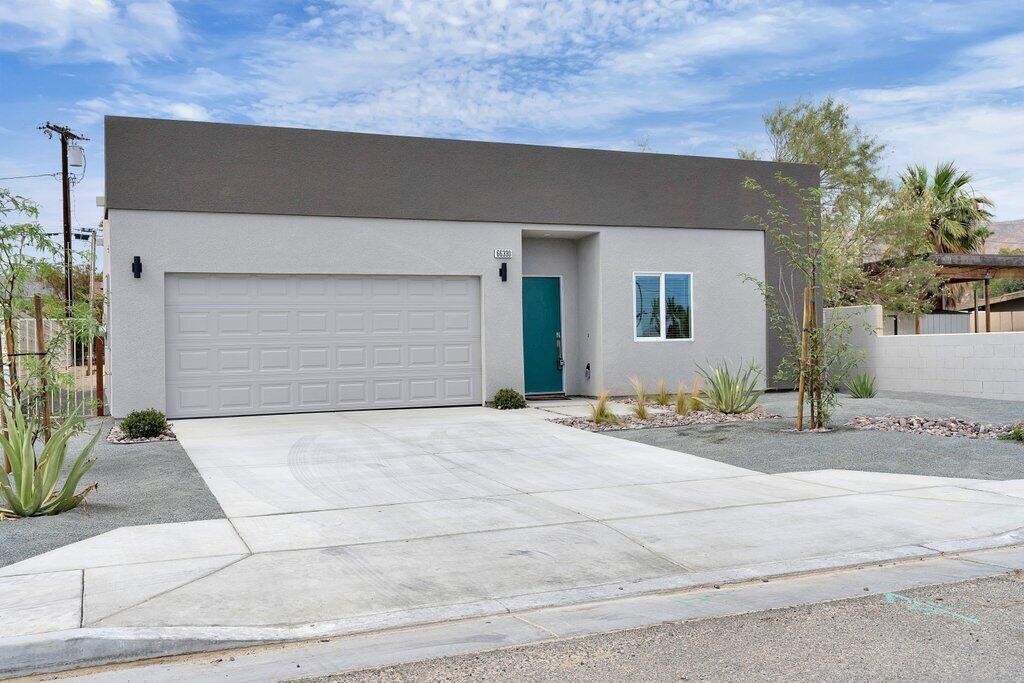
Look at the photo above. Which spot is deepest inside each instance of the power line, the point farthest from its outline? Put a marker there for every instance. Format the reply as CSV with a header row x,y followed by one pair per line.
x,y
38,175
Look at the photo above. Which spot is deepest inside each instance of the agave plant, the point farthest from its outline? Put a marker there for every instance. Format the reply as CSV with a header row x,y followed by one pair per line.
x,y
640,393
30,489
862,386
600,413
729,392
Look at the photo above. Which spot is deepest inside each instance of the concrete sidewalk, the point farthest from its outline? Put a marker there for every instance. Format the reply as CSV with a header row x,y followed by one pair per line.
x,y
342,523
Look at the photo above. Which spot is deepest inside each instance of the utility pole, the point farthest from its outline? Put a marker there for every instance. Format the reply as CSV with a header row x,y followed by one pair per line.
x,y
65,133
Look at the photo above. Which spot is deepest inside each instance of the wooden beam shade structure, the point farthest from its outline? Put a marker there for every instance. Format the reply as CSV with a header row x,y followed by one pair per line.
x,y
960,268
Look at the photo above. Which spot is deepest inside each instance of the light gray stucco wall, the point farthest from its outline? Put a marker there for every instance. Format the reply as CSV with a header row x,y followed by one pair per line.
x,y
589,314
728,313
558,257
175,242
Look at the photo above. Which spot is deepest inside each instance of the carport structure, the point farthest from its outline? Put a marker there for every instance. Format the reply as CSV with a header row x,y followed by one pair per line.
x,y
966,268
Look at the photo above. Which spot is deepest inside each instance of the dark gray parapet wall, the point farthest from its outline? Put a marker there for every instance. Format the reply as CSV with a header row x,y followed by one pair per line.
x,y
160,165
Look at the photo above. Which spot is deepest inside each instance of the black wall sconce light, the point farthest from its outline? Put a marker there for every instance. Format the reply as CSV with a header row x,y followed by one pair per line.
x,y
137,267
503,272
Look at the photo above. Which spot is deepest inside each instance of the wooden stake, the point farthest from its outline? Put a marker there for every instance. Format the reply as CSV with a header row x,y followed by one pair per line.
x,y
98,351
803,364
988,309
44,363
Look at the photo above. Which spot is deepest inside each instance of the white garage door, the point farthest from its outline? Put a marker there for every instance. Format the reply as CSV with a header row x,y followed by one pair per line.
x,y
246,344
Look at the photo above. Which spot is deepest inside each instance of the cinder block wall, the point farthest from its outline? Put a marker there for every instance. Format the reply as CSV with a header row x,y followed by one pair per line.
x,y
982,365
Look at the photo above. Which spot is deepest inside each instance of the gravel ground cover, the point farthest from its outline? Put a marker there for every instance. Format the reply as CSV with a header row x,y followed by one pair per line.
x,y
659,417
145,483
773,446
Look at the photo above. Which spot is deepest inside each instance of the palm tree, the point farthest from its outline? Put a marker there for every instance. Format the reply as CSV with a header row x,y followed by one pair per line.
x,y
958,218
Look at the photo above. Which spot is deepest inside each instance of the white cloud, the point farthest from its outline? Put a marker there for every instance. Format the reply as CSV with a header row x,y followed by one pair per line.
x,y
128,102
90,30
970,110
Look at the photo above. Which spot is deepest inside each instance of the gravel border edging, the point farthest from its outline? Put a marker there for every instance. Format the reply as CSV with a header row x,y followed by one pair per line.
x,y
116,436
665,418
915,424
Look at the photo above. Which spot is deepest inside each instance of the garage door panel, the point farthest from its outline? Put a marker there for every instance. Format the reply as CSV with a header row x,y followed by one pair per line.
x,y
340,342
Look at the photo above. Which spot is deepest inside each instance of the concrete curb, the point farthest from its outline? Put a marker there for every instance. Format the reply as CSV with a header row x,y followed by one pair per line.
x,y
91,646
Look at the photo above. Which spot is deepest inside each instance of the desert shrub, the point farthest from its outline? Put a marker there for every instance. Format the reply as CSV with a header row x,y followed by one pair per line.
x,y
600,413
144,424
862,386
30,489
640,393
1016,434
509,399
729,392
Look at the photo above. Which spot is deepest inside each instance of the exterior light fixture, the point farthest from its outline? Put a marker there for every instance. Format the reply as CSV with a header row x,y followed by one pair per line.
x,y
503,272
137,267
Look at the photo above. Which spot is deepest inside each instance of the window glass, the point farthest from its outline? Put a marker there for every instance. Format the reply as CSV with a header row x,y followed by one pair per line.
x,y
677,306
647,291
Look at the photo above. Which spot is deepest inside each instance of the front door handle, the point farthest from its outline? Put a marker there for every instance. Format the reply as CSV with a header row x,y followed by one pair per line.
x,y
559,361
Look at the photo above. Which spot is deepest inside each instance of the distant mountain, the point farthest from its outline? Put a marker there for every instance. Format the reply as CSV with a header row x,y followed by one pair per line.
x,y
1008,234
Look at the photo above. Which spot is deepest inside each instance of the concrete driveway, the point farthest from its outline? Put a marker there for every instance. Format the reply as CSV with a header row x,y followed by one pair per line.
x,y
346,522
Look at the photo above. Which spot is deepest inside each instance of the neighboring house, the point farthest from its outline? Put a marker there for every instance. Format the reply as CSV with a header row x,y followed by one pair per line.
x,y
1007,313
289,270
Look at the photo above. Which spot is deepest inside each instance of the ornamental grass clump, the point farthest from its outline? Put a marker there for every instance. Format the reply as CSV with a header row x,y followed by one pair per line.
x,y
30,488
728,392
686,402
862,386
663,398
640,393
600,413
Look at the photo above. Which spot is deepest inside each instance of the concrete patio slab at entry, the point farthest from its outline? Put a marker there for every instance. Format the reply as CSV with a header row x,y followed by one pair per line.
x,y
344,523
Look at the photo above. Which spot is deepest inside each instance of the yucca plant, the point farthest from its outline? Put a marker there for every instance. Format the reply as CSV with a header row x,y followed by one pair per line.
x,y
663,398
728,392
30,489
862,386
640,393
600,413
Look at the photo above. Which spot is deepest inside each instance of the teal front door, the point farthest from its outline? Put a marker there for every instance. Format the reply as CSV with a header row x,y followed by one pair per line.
x,y
542,335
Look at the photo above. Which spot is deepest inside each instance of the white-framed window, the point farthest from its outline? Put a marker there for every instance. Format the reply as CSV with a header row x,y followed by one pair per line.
x,y
662,306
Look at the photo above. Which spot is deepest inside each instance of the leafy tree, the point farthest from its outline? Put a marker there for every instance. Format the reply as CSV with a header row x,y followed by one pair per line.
x,y
23,246
863,216
800,241
958,219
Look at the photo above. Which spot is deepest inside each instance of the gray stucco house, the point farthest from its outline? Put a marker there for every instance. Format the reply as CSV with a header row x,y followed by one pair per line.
x,y
259,270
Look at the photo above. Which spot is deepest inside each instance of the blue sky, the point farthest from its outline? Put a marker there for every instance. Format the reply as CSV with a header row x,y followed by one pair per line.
x,y
936,80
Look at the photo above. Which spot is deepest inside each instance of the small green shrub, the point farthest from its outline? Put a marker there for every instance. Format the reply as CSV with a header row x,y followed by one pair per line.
x,y
600,413
144,424
728,392
509,399
862,386
30,490
640,393
1016,434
